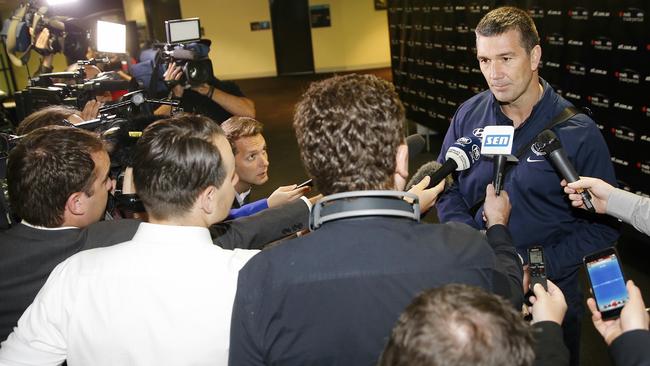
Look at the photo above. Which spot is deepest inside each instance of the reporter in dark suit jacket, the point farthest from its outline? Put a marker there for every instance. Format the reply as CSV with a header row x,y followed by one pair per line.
x,y
58,183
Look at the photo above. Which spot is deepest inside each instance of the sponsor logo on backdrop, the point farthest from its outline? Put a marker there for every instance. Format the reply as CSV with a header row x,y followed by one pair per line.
x,y
632,15
579,13
620,161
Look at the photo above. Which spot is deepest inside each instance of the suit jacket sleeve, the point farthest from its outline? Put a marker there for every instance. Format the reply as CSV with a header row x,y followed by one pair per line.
x,y
549,345
508,279
255,231
631,348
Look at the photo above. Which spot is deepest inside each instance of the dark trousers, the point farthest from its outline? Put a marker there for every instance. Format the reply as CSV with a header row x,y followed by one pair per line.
x,y
573,319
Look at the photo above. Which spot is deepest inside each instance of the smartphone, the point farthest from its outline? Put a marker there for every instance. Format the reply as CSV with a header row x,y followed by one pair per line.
x,y
536,267
308,182
607,282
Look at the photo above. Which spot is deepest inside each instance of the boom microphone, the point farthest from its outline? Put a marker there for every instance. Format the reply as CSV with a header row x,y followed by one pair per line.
x,y
554,151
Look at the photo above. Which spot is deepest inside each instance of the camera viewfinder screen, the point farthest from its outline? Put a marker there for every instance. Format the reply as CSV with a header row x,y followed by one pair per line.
x,y
607,282
183,30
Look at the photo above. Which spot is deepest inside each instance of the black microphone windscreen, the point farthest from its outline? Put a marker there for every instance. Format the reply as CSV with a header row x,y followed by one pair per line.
x,y
415,144
428,169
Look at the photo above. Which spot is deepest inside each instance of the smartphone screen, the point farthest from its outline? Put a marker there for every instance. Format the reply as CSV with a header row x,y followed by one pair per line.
x,y
607,283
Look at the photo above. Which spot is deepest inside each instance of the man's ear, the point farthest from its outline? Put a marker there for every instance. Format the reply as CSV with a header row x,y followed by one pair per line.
x,y
535,57
206,200
401,166
76,203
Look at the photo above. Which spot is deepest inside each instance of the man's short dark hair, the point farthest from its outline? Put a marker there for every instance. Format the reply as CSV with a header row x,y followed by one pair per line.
x,y
503,19
458,325
348,130
49,116
238,127
175,160
46,167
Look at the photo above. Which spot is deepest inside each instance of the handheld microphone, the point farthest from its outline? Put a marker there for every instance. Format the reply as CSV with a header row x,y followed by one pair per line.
x,y
497,143
554,151
415,144
429,169
461,155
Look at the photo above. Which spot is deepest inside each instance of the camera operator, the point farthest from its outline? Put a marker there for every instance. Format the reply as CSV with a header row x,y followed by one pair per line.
x,y
74,47
216,99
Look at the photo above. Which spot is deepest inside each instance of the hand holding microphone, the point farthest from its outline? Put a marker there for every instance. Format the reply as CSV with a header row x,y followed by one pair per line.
x,y
599,189
497,143
554,152
461,155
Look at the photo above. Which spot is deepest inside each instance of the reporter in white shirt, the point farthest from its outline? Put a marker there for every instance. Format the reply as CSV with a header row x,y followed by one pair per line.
x,y
163,298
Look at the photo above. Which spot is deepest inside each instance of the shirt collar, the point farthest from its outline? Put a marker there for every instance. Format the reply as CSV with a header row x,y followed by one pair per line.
x,y
502,119
156,233
242,196
47,228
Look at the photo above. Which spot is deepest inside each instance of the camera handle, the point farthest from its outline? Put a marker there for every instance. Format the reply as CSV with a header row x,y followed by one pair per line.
x,y
137,102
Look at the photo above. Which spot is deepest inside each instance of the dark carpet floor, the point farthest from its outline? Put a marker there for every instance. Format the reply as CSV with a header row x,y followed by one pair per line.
x,y
275,99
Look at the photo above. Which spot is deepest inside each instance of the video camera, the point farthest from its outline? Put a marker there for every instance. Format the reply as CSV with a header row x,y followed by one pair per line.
x,y
186,48
67,88
65,36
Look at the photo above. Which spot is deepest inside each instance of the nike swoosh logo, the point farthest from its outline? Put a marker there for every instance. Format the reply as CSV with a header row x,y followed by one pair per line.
x,y
533,161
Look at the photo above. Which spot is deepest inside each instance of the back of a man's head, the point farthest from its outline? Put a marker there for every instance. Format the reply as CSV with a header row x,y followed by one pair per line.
x,y
46,167
348,129
175,160
53,115
457,325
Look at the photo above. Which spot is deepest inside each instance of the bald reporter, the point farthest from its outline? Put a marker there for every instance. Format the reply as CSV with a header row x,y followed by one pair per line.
x,y
628,207
458,325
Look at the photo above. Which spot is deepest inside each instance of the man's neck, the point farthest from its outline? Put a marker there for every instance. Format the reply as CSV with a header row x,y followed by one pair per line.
x,y
242,187
520,110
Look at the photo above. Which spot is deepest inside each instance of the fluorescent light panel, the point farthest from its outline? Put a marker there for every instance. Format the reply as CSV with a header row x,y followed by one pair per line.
x,y
111,37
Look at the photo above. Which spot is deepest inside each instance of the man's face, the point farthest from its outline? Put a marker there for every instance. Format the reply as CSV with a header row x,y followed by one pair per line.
x,y
226,193
252,161
100,188
506,66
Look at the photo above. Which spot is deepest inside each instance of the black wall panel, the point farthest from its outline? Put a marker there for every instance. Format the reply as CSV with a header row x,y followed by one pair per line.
x,y
596,53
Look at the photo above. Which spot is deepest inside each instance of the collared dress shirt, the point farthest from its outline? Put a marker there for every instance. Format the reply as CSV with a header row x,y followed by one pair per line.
x,y
163,298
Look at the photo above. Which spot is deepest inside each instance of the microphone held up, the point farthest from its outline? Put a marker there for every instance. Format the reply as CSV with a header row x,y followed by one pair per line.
x,y
558,157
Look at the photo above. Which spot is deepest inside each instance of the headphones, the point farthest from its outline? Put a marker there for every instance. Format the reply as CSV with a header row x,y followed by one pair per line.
x,y
364,203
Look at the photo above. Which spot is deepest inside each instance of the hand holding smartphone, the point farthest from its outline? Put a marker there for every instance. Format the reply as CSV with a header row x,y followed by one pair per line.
x,y
308,182
607,282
